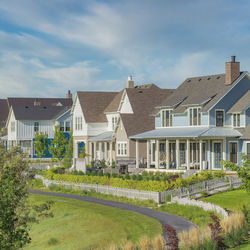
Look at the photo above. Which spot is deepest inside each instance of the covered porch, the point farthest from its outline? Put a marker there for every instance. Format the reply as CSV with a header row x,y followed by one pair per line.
x,y
198,148
102,147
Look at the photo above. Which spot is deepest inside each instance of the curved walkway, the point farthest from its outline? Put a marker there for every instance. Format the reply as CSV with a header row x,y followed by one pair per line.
x,y
177,222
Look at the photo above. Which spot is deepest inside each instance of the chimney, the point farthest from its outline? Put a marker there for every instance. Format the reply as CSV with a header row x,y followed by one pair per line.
x,y
37,102
232,71
130,82
69,95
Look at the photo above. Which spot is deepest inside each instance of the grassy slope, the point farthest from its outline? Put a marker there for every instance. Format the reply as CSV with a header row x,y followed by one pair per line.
x,y
232,200
82,225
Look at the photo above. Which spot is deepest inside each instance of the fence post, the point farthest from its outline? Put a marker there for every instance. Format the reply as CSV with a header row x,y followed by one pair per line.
x,y
230,181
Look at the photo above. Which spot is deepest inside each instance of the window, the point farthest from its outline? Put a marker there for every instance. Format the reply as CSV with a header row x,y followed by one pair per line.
x,y
248,150
236,120
182,153
167,118
62,126
67,126
36,126
13,126
122,148
78,123
114,122
219,118
194,116
233,151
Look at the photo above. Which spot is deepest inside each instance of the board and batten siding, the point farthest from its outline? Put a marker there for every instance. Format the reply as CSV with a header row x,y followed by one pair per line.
x,y
25,129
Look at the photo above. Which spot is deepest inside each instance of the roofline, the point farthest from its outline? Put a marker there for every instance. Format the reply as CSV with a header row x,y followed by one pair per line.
x,y
245,73
7,122
56,118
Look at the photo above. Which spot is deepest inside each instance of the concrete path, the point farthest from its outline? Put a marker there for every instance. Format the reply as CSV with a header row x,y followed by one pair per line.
x,y
177,222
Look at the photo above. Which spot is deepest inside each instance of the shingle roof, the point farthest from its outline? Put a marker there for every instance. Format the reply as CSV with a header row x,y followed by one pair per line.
x,y
202,90
93,105
242,104
4,111
44,101
245,132
143,100
114,104
38,113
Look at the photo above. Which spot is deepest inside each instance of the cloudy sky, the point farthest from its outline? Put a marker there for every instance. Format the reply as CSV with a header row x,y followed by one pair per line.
x,y
50,46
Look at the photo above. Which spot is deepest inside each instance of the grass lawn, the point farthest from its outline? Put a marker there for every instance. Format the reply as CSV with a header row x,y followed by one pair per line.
x,y
192,213
82,225
232,200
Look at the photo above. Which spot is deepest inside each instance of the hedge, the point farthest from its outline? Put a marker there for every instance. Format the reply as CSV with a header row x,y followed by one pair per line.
x,y
147,185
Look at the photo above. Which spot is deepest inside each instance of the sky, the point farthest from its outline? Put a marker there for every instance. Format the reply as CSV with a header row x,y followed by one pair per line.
x,y
48,47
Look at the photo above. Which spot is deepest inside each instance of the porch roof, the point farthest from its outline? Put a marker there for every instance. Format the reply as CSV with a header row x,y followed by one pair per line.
x,y
188,132
106,136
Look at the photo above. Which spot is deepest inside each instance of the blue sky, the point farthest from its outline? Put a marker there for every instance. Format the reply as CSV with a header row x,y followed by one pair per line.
x,y
50,46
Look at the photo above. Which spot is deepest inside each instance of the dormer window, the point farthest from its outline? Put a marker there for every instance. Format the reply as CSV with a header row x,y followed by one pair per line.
x,y
219,114
167,118
236,120
194,116
114,122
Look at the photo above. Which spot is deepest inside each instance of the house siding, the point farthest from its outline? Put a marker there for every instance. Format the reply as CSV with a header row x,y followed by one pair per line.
x,y
180,120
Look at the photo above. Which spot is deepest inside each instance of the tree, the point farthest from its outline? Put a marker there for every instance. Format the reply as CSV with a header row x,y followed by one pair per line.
x,y
67,160
243,170
58,146
16,214
41,144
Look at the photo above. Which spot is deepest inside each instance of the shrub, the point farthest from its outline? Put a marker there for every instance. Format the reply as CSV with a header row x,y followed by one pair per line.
x,y
52,241
173,240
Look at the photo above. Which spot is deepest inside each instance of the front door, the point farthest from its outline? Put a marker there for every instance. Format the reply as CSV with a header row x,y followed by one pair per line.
x,y
217,154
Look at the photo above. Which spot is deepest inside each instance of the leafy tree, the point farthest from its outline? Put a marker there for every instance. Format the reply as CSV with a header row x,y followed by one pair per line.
x,y
67,161
58,146
243,170
41,144
16,214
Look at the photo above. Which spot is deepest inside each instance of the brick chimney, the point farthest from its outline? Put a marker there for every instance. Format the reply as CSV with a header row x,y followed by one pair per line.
x,y
232,71
69,95
37,102
130,82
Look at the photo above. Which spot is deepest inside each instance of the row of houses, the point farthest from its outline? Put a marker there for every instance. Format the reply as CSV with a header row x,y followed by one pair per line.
x,y
205,120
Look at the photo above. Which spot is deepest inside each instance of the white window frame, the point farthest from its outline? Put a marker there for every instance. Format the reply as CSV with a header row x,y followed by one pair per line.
x,y
213,160
237,125
13,126
78,123
36,128
163,118
191,110
223,117
237,156
122,148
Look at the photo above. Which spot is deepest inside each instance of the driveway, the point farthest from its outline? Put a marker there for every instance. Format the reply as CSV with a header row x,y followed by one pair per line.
x,y
177,222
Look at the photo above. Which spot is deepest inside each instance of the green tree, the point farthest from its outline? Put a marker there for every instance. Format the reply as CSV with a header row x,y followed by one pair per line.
x,y
67,160
41,144
16,214
58,146
243,170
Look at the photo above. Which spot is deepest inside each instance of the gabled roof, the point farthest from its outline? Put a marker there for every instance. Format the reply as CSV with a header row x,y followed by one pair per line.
x,y
242,104
93,105
245,132
202,91
44,101
114,104
4,111
143,100
37,113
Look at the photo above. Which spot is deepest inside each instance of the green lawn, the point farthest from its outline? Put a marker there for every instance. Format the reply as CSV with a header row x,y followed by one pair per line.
x,y
192,213
82,225
232,200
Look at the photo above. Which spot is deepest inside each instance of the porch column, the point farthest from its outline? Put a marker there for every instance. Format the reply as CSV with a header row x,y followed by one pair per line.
x,y
157,144
86,145
224,155
209,154
188,154
111,152
148,155
137,153
105,150
94,151
167,154
90,152
201,166
177,154
100,151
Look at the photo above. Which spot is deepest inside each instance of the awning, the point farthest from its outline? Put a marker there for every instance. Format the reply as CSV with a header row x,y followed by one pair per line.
x,y
187,132
106,136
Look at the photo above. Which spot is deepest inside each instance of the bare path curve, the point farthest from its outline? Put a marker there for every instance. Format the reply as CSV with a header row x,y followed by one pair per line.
x,y
177,222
